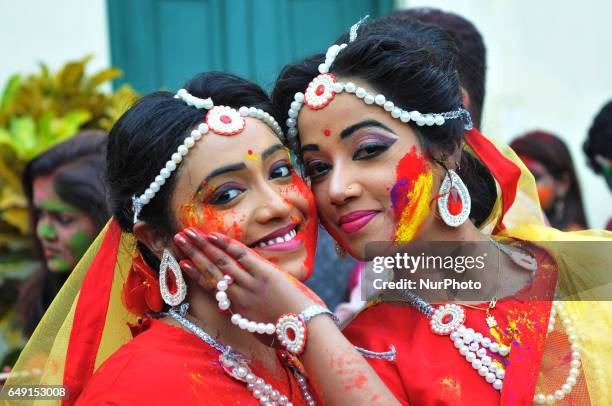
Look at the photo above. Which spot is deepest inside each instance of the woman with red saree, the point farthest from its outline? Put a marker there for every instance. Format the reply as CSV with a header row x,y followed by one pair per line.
x,y
391,156
208,159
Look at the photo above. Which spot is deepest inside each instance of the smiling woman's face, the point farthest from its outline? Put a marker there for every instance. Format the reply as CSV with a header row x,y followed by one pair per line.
x,y
369,175
244,186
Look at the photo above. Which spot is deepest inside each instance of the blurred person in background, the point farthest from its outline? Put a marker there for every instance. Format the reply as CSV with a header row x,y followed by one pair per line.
x,y
66,193
549,160
598,147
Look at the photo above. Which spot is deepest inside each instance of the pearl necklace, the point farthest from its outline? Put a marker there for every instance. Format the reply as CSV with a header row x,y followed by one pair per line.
x,y
236,366
477,349
541,398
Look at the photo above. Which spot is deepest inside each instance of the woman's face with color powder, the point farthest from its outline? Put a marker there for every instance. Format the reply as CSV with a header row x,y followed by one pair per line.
x,y
244,186
64,231
370,178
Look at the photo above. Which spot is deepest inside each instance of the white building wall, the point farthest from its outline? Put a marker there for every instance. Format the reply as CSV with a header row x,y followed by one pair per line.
x,y
550,68
53,32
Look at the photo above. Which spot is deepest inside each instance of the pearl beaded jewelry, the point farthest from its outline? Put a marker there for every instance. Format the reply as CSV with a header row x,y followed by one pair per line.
x,y
235,366
541,398
322,89
221,120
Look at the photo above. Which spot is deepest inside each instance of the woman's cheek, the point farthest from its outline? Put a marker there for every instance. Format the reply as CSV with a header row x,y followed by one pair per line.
x,y
210,219
298,194
411,194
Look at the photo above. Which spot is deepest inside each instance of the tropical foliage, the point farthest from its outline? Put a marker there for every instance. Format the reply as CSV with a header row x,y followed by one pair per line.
x,y
37,112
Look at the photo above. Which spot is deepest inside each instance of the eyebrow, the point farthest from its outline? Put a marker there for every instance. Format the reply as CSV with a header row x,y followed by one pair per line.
x,y
269,151
310,147
220,171
347,132
236,167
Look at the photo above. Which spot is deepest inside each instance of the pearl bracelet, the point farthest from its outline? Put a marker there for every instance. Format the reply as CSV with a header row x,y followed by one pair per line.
x,y
291,328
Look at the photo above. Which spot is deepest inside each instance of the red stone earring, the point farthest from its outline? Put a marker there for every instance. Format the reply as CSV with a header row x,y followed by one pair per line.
x,y
455,203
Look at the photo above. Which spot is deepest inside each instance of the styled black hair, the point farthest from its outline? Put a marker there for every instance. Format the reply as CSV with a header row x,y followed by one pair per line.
x,y
414,65
599,140
472,53
78,164
146,136
550,151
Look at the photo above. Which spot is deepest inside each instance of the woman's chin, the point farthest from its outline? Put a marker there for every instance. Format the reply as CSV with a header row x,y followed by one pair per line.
x,y
293,263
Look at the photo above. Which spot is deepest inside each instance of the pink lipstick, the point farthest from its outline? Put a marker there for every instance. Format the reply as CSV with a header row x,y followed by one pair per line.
x,y
356,220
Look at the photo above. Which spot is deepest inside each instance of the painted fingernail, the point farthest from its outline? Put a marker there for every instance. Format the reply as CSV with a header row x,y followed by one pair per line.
x,y
213,237
191,233
181,240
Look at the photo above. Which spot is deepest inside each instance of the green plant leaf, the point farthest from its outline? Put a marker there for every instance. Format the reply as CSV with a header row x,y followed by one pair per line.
x,y
23,132
64,127
104,76
10,90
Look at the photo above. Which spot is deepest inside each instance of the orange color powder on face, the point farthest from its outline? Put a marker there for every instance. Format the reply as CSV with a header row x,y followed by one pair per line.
x,y
309,230
208,219
546,196
410,194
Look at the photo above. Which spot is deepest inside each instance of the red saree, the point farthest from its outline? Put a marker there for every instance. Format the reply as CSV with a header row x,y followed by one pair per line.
x,y
166,365
429,370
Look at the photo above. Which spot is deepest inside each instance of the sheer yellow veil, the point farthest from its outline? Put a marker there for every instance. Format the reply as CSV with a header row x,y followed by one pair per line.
x,y
584,275
84,325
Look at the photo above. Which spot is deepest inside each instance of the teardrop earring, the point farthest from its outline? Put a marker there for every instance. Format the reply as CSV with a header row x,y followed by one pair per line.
x,y
172,299
455,203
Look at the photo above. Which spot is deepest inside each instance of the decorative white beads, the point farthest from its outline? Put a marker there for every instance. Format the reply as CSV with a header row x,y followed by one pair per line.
x,y
252,326
291,331
243,323
475,347
263,116
222,300
446,319
574,371
262,391
322,89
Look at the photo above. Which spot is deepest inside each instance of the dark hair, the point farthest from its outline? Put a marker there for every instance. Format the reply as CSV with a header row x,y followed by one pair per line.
x,y
79,181
146,136
412,64
471,57
599,140
553,154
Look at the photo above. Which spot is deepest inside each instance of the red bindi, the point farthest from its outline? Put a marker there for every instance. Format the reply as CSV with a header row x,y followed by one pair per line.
x,y
326,132
250,152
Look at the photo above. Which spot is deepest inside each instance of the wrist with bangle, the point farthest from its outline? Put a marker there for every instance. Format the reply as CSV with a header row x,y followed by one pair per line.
x,y
290,328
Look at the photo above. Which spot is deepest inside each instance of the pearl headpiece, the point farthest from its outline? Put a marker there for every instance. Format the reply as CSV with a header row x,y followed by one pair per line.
x,y
322,89
221,120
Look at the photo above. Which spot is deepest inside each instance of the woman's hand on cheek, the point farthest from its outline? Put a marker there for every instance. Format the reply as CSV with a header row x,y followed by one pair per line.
x,y
260,290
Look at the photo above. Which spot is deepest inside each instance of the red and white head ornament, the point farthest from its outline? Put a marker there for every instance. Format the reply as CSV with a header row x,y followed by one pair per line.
x,y
221,120
322,89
